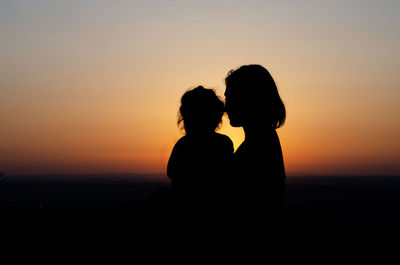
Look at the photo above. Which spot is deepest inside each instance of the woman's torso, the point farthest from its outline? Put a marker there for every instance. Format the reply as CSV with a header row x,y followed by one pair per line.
x,y
258,169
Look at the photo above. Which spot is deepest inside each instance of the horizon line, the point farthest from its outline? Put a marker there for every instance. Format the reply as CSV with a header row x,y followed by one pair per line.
x,y
289,174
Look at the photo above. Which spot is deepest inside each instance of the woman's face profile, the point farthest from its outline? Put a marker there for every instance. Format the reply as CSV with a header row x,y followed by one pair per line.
x,y
233,107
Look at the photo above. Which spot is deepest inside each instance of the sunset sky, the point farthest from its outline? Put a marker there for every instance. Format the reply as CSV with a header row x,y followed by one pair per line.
x,y
94,86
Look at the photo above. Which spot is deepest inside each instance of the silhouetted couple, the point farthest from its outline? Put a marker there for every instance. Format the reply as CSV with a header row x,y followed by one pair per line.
x,y
207,176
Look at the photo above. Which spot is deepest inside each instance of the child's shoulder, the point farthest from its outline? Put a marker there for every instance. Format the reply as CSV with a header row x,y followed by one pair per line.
x,y
223,138
216,137
181,140
180,145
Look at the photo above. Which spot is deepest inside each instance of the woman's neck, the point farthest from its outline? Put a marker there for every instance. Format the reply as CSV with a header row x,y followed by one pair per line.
x,y
255,132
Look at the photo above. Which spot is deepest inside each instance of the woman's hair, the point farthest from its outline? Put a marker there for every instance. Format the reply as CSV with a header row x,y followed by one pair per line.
x,y
257,90
201,110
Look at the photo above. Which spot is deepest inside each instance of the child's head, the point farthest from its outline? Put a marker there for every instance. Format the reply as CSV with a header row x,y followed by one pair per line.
x,y
201,110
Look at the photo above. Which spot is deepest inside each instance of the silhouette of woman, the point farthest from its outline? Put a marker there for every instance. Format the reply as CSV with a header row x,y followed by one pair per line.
x,y
253,102
199,160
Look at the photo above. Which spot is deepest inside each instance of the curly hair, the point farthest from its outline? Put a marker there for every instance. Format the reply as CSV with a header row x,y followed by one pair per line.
x,y
201,110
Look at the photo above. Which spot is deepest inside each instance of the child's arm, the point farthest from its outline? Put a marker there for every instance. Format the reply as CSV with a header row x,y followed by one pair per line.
x,y
173,162
171,167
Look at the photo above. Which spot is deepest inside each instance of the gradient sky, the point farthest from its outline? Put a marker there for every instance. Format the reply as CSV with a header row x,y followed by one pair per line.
x,y
94,86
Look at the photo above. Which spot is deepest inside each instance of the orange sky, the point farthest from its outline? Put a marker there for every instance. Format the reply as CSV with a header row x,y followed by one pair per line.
x,y
94,87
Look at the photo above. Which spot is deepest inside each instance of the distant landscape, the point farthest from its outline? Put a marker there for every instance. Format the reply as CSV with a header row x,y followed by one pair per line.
x,y
351,200
77,217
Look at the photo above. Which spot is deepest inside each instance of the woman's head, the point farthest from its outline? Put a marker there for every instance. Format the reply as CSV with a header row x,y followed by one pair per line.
x,y
252,97
201,110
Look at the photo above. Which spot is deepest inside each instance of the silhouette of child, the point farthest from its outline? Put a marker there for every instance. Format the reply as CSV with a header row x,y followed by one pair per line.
x,y
200,160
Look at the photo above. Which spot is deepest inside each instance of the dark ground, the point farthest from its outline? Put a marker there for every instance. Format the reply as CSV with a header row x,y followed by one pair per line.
x,y
87,218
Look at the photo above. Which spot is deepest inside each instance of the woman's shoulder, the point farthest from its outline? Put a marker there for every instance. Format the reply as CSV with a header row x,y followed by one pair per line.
x,y
274,137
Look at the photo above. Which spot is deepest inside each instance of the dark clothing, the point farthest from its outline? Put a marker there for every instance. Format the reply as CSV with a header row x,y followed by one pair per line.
x,y
197,167
259,174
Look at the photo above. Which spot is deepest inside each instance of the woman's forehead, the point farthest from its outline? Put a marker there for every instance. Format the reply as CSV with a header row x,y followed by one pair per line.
x,y
231,90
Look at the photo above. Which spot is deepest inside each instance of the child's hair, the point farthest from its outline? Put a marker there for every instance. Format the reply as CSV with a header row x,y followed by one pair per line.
x,y
201,110
258,92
